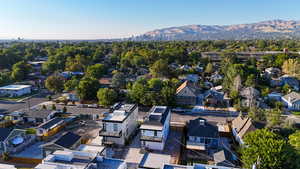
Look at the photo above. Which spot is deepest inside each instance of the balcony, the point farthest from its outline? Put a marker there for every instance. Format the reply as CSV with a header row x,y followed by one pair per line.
x,y
110,133
151,138
195,145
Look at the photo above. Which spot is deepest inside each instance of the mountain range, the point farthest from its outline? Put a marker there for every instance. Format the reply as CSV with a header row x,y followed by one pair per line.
x,y
272,29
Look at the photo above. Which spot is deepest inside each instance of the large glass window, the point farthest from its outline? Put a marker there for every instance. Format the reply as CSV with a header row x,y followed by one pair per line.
x,y
115,127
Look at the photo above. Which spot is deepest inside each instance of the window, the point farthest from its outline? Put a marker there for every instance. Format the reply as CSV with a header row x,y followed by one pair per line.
x,y
155,133
115,127
104,126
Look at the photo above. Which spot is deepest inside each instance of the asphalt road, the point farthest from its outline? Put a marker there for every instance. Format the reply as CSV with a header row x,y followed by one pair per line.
x,y
10,106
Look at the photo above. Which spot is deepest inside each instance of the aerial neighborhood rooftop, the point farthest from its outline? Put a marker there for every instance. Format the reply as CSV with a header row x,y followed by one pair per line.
x,y
164,105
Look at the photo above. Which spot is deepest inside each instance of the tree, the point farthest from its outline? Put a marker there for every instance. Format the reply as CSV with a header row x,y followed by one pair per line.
x,y
118,80
250,82
291,67
64,110
87,88
294,140
55,83
71,84
273,117
53,107
5,78
155,84
160,68
95,71
138,92
20,70
106,96
286,88
209,68
269,149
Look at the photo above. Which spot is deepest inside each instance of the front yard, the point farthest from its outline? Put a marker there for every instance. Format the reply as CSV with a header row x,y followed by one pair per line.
x,y
297,113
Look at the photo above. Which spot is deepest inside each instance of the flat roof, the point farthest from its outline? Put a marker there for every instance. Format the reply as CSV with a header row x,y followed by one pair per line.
x,y
14,87
116,116
111,163
151,127
90,148
7,166
154,160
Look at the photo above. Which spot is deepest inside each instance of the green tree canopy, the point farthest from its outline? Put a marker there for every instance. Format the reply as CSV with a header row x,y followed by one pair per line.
x,y
160,68
87,88
268,150
118,80
106,96
55,83
20,70
95,71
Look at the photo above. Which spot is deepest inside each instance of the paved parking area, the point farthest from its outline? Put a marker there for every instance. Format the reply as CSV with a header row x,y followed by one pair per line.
x,y
10,106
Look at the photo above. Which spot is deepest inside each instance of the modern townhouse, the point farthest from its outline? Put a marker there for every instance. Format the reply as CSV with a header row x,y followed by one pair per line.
x,y
155,129
120,124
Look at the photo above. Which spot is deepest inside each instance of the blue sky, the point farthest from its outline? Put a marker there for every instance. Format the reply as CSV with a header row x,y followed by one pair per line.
x,y
94,19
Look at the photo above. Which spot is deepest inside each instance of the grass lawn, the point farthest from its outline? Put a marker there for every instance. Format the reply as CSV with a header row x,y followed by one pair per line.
x,y
296,113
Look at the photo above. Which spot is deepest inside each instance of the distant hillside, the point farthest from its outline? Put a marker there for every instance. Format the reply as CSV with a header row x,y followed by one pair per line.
x,y
274,29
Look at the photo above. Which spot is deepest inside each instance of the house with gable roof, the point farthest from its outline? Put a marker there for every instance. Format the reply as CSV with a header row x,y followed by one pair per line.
x,y
187,93
241,126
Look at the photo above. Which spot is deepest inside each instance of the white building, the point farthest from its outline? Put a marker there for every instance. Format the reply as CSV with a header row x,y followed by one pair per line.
x,y
119,125
155,129
292,101
15,90
79,160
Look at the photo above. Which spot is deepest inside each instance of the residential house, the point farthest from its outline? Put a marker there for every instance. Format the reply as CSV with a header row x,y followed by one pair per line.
x,y
187,94
250,96
105,81
202,137
272,72
216,77
292,101
241,126
185,67
69,74
82,111
275,96
69,141
190,77
119,125
226,158
33,115
15,140
154,161
79,160
155,129
15,90
286,80
195,166
51,127
7,166
214,98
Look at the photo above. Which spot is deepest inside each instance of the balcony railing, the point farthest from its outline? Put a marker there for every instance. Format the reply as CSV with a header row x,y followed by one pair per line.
x,y
110,133
195,145
151,138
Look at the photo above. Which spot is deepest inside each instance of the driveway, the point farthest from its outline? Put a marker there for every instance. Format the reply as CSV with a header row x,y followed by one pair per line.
x,y
133,154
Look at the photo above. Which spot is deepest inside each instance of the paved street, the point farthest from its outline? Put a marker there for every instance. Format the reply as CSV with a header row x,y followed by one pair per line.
x,y
10,106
